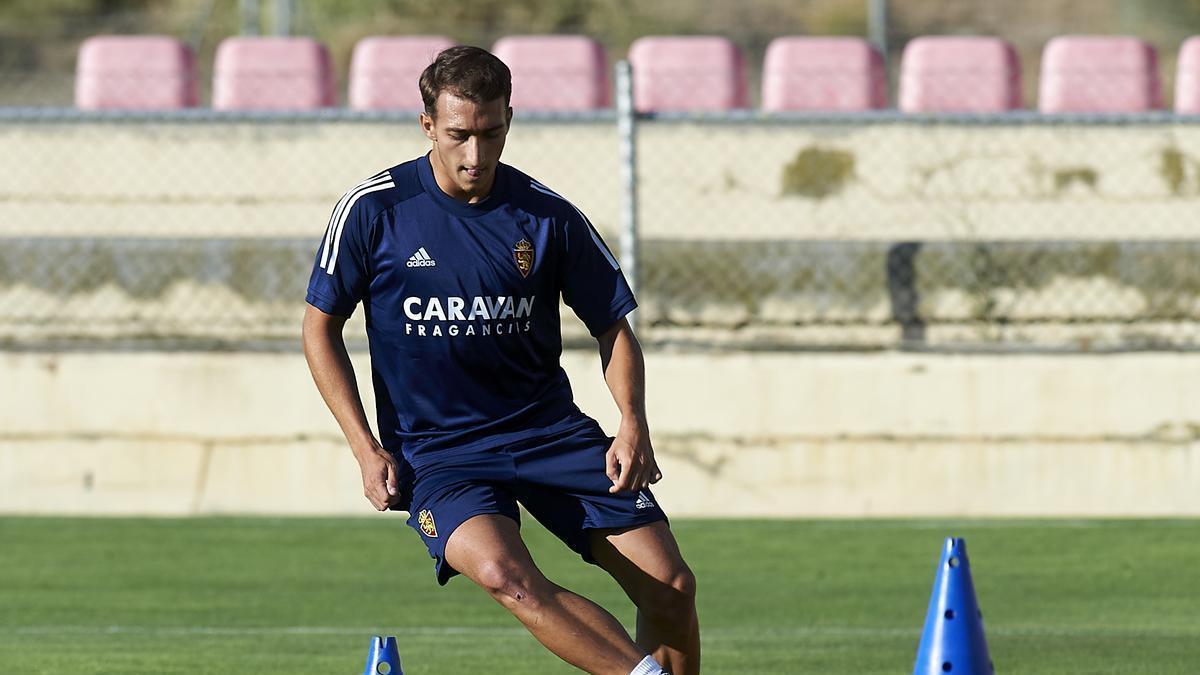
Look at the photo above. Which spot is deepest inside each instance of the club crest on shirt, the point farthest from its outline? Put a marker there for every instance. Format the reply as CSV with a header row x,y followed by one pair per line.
x,y
523,254
425,520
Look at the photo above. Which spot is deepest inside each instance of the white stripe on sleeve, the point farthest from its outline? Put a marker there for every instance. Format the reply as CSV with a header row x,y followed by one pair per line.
x,y
337,234
337,212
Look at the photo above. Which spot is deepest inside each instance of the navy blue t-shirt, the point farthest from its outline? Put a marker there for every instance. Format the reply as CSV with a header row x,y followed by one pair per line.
x,y
461,304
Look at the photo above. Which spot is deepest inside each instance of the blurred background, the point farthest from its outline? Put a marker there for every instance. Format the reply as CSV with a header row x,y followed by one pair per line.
x,y
907,269
893,258
41,38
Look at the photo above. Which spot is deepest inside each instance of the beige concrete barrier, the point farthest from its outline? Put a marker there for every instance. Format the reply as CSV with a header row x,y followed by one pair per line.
x,y
250,179
756,179
768,434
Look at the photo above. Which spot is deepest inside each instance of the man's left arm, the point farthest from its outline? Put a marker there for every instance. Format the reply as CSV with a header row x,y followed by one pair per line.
x,y
630,460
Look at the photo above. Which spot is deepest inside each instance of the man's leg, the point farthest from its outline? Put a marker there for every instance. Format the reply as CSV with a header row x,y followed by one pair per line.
x,y
647,564
488,550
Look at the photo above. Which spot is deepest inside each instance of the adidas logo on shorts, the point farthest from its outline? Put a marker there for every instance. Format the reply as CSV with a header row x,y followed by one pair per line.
x,y
421,259
643,502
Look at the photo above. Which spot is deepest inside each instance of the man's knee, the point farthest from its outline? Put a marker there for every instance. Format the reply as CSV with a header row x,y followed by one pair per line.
x,y
669,598
511,586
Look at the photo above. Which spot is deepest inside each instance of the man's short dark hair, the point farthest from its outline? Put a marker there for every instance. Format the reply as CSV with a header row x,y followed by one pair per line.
x,y
468,72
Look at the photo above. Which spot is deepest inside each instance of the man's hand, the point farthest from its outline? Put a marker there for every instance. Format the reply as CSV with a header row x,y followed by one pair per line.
x,y
629,462
380,476
325,351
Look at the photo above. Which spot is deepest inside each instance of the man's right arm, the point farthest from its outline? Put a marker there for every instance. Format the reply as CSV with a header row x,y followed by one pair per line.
x,y
329,362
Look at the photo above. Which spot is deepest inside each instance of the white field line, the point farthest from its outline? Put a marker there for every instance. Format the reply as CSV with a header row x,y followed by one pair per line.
x,y
757,633
950,524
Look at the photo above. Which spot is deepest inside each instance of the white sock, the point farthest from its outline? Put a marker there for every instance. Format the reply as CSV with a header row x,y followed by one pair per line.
x,y
648,666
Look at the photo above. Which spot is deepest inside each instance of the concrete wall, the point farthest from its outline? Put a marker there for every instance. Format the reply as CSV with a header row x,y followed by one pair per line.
x,y
749,180
251,179
918,181
766,434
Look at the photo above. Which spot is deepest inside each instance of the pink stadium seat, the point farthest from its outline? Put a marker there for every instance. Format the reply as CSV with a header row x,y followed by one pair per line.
x,y
556,72
959,74
1187,78
272,73
1114,74
831,74
687,73
384,70
135,72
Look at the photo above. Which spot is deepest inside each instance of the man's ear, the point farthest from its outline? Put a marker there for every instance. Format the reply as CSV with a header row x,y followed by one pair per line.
x,y
508,119
427,127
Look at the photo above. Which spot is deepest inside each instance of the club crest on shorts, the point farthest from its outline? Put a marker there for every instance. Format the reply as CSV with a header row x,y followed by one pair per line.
x,y
523,254
425,520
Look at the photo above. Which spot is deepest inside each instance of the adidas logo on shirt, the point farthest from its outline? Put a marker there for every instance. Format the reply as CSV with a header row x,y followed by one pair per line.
x,y
421,259
643,502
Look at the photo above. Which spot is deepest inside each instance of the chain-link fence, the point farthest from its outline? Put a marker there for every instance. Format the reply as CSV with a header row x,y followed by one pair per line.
x,y
197,229
868,231
1014,231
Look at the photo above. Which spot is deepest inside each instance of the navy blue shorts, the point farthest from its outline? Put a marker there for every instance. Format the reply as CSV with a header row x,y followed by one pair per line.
x,y
560,481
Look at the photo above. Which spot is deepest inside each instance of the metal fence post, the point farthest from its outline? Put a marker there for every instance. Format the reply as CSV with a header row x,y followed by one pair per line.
x,y
251,17
284,9
877,26
627,133
877,33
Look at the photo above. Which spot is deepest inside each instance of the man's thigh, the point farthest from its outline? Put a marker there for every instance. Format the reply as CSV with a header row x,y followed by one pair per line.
x,y
642,559
489,540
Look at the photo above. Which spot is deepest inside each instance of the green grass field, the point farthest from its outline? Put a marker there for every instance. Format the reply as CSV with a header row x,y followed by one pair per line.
x,y
256,595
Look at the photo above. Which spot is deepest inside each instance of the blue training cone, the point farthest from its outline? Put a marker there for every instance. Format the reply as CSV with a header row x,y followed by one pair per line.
x,y
384,657
953,640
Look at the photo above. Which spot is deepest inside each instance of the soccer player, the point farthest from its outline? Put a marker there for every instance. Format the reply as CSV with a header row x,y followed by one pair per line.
x,y
459,262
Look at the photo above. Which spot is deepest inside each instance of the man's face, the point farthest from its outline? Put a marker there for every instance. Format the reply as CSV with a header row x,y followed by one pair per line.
x,y
467,140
